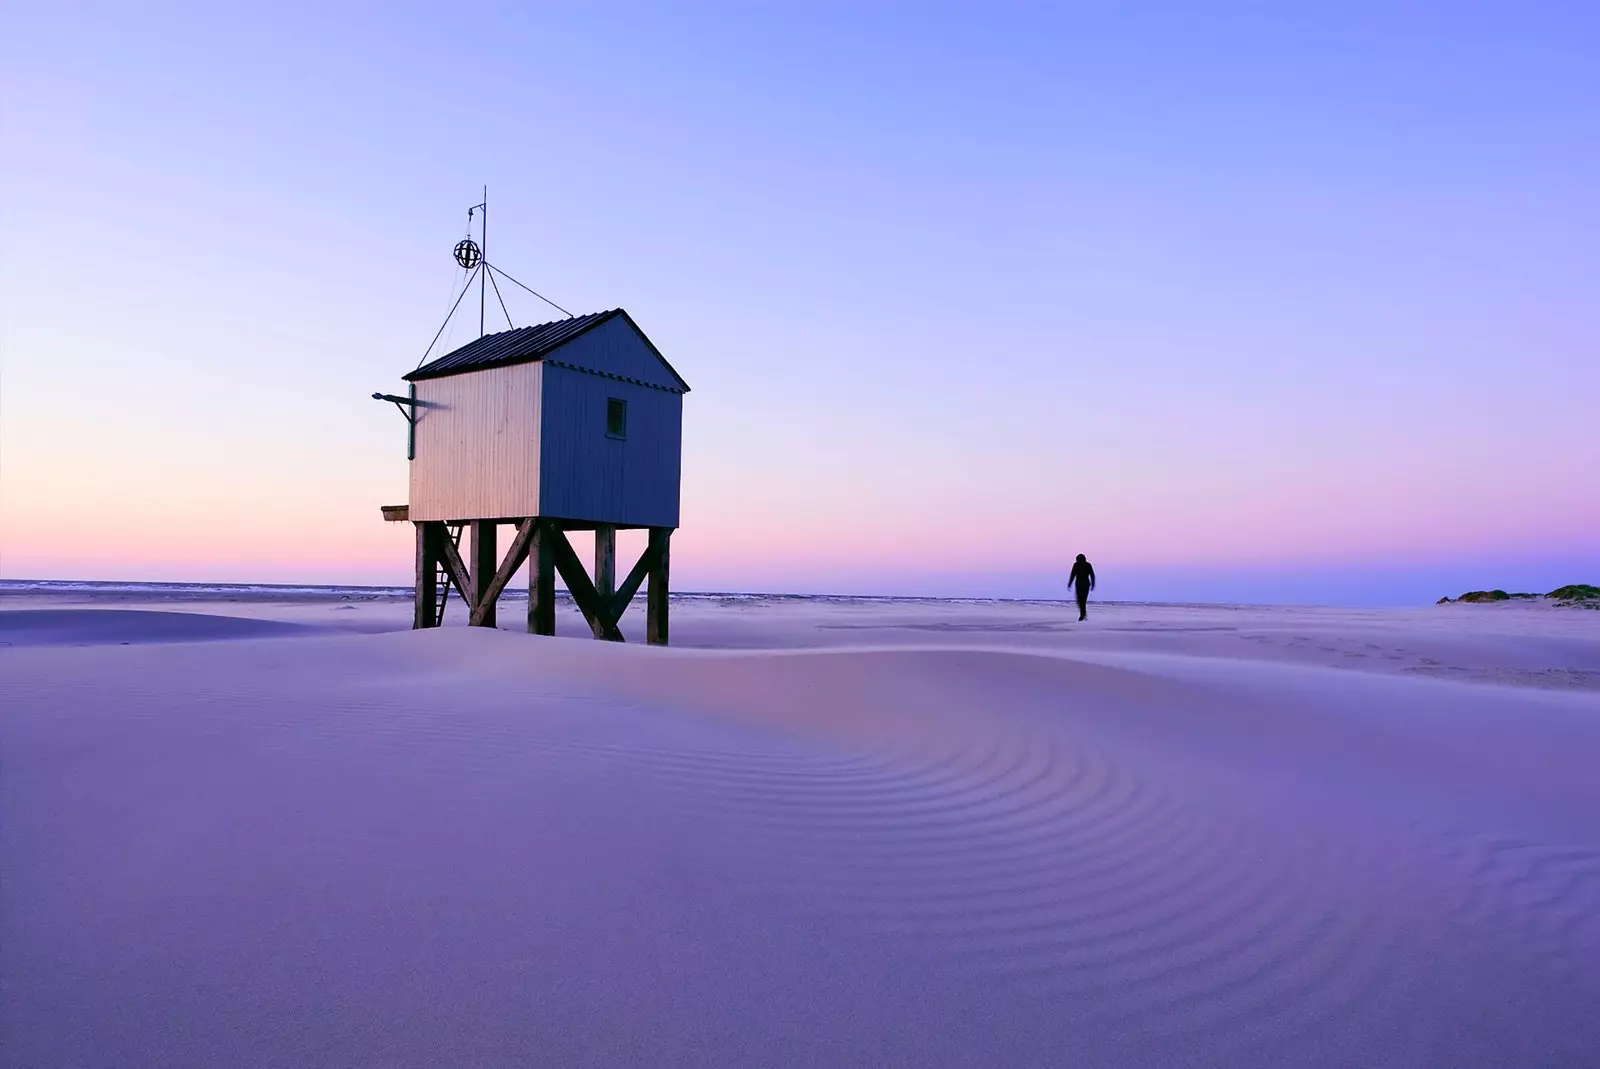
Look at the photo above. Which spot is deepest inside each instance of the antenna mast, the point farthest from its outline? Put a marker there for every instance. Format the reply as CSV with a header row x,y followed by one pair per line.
x,y
483,283
471,255
473,258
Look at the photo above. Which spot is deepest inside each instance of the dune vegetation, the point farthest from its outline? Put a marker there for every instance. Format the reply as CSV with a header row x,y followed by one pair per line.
x,y
1567,595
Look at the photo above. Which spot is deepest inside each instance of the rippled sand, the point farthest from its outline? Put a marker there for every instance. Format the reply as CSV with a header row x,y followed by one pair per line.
x,y
921,841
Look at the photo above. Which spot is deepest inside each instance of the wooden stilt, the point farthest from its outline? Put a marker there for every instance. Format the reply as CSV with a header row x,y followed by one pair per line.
x,y
485,561
656,596
427,592
605,562
541,580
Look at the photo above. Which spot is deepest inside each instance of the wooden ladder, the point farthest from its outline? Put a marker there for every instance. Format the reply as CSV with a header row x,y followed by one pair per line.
x,y
442,577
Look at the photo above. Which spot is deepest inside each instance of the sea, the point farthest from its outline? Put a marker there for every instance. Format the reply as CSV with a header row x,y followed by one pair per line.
x,y
114,590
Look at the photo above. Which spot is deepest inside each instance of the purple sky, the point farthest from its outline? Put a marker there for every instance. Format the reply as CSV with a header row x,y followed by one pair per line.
x,y
1244,303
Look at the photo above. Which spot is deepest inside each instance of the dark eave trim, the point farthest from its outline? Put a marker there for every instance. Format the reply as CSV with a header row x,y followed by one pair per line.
x,y
421,374
623,312
564,366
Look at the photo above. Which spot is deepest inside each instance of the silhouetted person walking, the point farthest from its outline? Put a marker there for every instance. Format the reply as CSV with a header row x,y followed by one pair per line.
x,y
1082,581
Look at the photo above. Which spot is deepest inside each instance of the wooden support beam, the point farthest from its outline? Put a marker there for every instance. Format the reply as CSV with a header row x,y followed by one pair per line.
x,y
656,598
508,567
605,562
447,554
597,612
485,559
541,579
630,586
426,591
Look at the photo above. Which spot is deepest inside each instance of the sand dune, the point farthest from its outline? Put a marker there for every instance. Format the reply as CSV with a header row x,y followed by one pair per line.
x,y
472,848
106,627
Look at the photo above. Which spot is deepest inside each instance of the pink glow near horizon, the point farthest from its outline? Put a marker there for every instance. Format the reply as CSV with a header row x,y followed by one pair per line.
x,y
1231,316
734,549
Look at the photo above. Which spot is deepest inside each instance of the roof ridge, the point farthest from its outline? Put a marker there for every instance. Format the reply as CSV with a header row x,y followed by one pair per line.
x,y
511,346
533,326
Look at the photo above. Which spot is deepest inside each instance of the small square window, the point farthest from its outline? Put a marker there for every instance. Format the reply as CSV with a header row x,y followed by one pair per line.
x,y
616,418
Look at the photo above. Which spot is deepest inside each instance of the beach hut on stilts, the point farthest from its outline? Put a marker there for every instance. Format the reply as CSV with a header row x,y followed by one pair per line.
x,y
571,425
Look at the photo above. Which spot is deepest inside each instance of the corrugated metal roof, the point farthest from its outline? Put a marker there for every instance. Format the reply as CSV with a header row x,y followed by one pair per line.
x,y
520,346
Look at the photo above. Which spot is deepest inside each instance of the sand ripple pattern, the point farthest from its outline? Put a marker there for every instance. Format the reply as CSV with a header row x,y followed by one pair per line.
x,y
1542,896
1089,873
1073,850
1060,847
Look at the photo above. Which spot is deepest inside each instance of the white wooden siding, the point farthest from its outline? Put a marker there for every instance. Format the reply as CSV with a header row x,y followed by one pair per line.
x,y
588,476
478,451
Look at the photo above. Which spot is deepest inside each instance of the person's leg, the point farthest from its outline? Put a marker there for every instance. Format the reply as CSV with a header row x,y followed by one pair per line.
x,y
1083,603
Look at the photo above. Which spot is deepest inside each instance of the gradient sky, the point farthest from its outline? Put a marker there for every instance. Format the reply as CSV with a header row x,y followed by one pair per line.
x,y
1245,301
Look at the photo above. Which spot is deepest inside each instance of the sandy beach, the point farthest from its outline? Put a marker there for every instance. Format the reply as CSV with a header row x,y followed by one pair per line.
x,y
813,832
817,347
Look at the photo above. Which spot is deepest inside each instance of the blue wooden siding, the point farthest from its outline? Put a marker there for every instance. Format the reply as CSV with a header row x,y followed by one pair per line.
x,y
584,475
614,348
